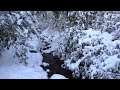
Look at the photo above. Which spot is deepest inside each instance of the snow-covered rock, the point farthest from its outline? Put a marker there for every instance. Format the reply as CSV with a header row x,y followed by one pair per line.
x,y
57,76
45,64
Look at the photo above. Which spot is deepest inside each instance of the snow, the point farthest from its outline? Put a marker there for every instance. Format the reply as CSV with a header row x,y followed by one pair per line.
x,y
11,70
101,47
25,31
22,12
21,72
54,37
29,12
45,64
104,60
74,66
19,21
34,43
34,59
47,51
93,71
57,76
2,21
118,23
17,15
48,70
111,61
29,20
92,32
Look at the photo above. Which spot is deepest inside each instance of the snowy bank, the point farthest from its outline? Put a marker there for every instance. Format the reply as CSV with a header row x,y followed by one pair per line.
x,y
9,69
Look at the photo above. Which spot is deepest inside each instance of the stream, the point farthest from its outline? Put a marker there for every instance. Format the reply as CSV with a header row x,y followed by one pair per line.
x,y
55,66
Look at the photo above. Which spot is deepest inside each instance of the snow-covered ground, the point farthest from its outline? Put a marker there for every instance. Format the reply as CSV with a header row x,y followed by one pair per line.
x,y
9,69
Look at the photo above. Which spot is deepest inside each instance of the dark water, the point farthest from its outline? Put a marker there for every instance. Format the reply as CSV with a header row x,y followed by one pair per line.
x,y
55,66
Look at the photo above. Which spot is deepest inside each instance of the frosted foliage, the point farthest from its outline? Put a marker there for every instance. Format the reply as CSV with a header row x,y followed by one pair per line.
x,y
88,42
91,54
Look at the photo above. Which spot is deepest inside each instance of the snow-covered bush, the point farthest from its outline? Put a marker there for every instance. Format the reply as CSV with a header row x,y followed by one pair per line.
x,y
7,31
15,28
90,53
92,50
83,19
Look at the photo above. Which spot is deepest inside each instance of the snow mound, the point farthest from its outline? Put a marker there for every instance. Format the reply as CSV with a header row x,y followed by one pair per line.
x,y
57,76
